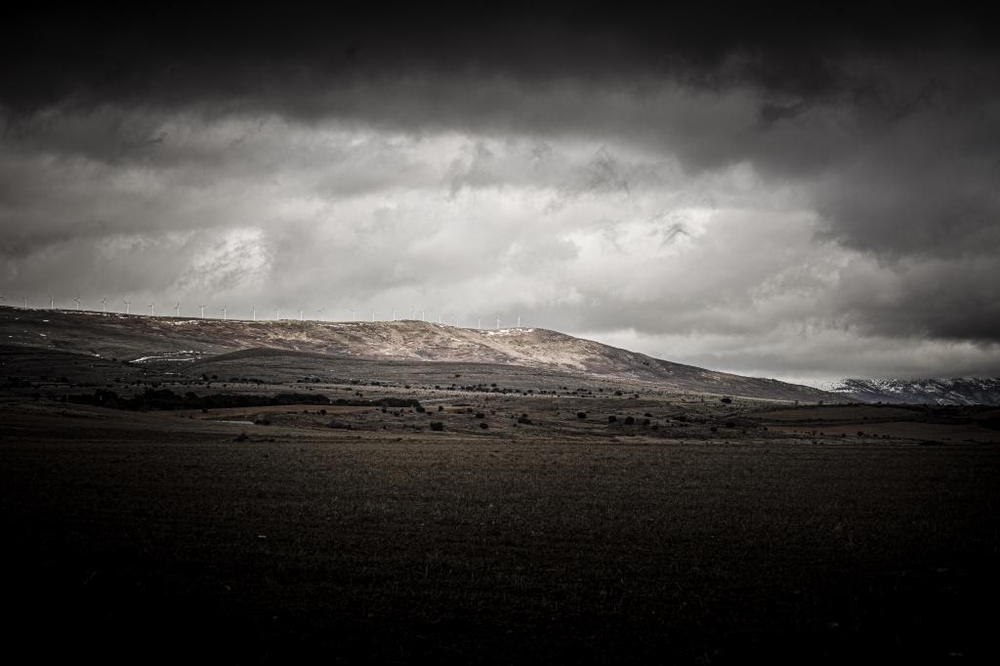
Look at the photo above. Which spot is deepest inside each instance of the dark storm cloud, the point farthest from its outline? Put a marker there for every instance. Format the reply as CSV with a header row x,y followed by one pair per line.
x,y
266,56
689,172
938,298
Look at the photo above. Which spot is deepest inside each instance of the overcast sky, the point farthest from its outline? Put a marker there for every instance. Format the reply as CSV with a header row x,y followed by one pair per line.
x,y
797,196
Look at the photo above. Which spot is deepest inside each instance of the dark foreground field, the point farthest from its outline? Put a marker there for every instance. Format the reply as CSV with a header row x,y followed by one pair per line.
x,y
138,537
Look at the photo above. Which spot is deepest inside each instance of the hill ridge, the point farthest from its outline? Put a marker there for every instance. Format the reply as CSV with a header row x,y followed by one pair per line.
x,y
145,338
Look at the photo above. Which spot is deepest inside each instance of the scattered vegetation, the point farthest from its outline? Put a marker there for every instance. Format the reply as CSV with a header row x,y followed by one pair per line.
x,y
165,399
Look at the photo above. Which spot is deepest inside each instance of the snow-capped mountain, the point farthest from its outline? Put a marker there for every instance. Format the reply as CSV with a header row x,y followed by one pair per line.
x,y
957,391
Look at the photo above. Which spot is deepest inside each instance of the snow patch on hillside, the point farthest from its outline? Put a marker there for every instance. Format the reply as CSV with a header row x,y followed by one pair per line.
x,y
180,356
950,391
508,331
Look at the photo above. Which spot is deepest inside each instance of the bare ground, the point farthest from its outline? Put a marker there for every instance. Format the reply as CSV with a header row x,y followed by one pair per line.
x,y
156,536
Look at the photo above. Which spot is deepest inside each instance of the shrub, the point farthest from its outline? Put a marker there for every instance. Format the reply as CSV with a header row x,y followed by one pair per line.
x,y
581,415
629,420
612,419
437,425
484,425
726,400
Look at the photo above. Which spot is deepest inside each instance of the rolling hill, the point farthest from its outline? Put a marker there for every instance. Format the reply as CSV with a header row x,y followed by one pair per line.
x,y
182,341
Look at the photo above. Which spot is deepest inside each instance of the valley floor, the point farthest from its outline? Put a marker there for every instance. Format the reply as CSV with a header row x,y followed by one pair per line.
x,y
545,537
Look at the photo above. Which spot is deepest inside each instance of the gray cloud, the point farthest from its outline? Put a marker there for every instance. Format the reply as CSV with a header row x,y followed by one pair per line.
x,y
786,197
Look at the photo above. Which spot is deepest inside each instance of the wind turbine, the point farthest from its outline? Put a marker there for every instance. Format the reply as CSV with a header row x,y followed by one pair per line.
x,y
152,309
202,307
25,299
353,317
519,321
277,314
300,314
422,316
223,313
373,315
177,309
479,324
498,321
104,304
52,302
128,304
321,312
439,317
394,314
77,301
253,313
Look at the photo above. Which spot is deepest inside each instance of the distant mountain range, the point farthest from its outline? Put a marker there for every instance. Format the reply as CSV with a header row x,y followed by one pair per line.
x,y
957,391
183,342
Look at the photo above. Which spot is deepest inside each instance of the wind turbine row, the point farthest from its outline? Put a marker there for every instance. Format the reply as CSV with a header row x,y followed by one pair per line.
x,y
127,302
